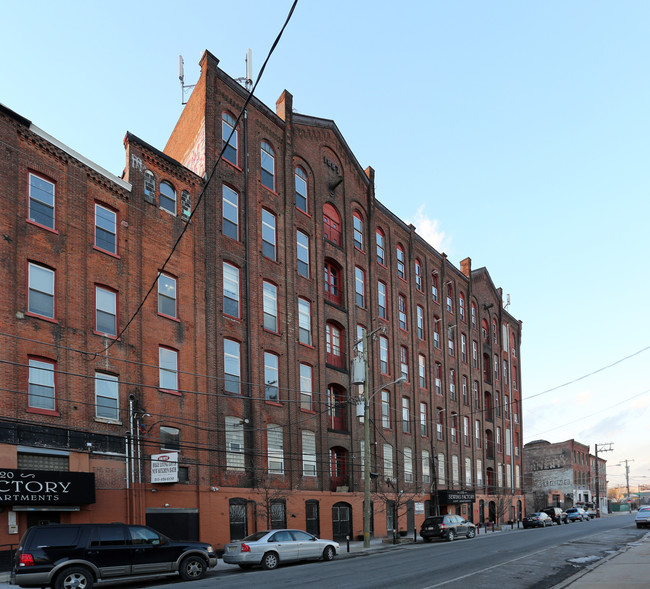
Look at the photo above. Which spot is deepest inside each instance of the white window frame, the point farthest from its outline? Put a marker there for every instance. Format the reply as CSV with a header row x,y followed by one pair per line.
x,y
270,306
235,456
275,448
232,366
106,224
41,283
107,396
42,375
106,306
309,468
231,294
36,196
167,295
167,368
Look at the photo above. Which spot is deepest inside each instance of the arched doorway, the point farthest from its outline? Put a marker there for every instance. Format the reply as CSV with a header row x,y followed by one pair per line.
x,y
238,519
341,520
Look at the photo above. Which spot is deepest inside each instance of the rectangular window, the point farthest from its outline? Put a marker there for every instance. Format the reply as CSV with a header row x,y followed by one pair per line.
x,y
388,461
41,291
229,144
463,347
42,392
420,320
302,252
440,432
468,472
271,376
231,366
465,399
268,235
381,300
423,419
455,470
168,369
308,454
230,211
105,229
304,322
41,201
466,431
306,387
230,290
450,340
401,305
404,362
379,236
170,438
105,311
235,444
270,304
167,295
275,444
107,398
167,198
406,415
441,469
479,473
383,354
408,465
426,467
360,287
400,262
385,409
357,231
477,433
301,189
422,371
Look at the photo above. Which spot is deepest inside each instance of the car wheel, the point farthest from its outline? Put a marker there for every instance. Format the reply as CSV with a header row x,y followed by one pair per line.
x,y
328,553
270,561
74,578
192,568
471,532
451,535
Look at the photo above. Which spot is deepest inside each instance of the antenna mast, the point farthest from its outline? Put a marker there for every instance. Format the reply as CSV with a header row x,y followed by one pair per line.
x,y
181,77
248,80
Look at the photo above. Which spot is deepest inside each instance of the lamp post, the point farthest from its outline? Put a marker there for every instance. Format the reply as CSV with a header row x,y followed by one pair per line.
x,y
366,458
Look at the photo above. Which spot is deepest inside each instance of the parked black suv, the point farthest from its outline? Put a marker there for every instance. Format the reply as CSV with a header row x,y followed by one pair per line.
x,y
446,526
557,515
78,555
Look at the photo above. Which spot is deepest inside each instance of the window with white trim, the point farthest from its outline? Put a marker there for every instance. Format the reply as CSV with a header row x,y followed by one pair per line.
x,y
267,170
231,366
40,298
269,235
231,290
441,468
401,262
302,253
426,466
105,311
275,446
422,371
401,308
231,144
406,415
301,190
423,419
388,461
41,386
306,387
385,409
357,230
42,201
360,287
107,397
381,247
230,212
383,355
304,322
308,454
235,459
105,229
408,465
455,470
167,369
270,306
382,300
167,295
167,197
271,377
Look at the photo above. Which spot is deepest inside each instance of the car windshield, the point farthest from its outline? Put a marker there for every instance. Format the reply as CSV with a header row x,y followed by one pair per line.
x,y
256,536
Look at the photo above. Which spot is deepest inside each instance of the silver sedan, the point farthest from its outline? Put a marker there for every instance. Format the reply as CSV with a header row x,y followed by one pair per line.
x,y
271,547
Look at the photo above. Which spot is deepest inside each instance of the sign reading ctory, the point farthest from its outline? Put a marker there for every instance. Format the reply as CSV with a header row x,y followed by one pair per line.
x,y
46,487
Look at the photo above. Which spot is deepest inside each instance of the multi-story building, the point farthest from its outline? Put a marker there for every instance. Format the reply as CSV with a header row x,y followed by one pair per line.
x,y
563,474
177,342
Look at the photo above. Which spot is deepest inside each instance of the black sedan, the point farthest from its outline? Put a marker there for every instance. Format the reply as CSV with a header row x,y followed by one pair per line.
x,y
537,520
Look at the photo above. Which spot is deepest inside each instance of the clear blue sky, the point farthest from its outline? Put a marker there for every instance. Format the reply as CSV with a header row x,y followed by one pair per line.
x,y
519,131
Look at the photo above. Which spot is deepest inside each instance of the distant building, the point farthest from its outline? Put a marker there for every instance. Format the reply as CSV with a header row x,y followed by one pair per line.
x,y
563,474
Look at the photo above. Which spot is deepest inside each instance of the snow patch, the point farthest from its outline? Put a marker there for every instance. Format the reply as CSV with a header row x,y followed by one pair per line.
x,y
584,559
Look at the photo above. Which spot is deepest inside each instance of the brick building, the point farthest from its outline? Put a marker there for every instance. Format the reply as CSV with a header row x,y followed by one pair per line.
x,y
563,474
235,370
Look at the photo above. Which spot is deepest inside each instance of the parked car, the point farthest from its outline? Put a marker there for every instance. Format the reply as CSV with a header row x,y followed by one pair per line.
x,y
577,514
448,527
537,520
271,547
557,515
590,512
642,518
78,555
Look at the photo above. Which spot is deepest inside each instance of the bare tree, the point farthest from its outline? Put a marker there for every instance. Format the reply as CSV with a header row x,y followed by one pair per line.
x,y
392,497
271,497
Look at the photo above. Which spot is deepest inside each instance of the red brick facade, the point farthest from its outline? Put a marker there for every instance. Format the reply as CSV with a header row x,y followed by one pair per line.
x,y
223,346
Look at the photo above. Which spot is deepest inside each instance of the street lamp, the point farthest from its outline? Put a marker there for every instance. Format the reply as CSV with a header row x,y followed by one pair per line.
x,y
366,458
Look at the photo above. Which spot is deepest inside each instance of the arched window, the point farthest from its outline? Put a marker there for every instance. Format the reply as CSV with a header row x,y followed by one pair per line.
x,y
484,331
230,144
381,246
401,262
333,282
335,345
418,275
336,405
301,189
461,306
332,224
357,230
167,197
267,156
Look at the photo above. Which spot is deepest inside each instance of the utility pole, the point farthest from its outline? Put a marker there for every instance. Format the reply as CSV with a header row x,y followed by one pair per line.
x,y
602,449
627,475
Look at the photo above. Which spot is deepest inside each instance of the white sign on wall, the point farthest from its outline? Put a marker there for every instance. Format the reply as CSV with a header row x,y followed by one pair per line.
x,y
164,468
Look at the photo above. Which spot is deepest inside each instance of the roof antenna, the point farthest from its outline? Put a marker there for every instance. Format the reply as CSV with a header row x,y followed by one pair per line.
x,y
248,80
181,77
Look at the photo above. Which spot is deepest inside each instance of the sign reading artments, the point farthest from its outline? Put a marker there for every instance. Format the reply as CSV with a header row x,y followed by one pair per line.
x,y
46,487
455,497
164,468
